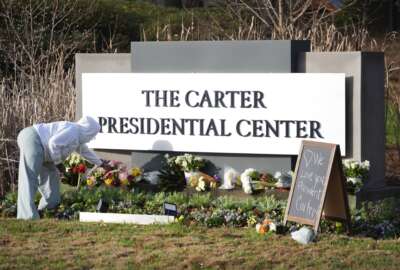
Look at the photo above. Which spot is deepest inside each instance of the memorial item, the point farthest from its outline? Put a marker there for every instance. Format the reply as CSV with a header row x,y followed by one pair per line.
x,y
152,177
246,180
170,209
203,182
303,236
318,187
231,177
75,169
113,174
266,226
189,164
171,176
356,173
284,180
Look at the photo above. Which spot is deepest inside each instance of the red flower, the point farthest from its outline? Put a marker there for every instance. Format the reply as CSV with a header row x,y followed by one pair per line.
x,y
74,170
81,168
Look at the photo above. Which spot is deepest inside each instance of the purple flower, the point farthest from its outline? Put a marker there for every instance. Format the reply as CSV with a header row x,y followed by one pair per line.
x,y
217,178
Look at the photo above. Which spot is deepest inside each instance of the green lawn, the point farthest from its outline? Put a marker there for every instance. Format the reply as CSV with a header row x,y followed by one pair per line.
x,y
52,244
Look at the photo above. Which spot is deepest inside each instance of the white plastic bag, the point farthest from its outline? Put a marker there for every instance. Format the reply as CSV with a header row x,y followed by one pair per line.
x,y
303,236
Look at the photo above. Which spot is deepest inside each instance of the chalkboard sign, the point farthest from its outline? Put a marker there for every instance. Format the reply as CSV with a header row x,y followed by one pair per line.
x,y
318,186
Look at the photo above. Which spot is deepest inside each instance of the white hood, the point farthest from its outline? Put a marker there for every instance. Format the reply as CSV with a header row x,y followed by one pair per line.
x,y
88,129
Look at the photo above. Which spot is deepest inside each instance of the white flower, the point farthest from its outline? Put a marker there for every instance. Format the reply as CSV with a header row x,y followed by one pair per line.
x,y
351,180
245,179
248,171
365,165
354,180
230,179
184,165
198,159
346,163
278,175
201,186
272,227
353,164
246,184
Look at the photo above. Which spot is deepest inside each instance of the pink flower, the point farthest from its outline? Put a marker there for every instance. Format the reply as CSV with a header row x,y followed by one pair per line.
x,y
123,175
114,163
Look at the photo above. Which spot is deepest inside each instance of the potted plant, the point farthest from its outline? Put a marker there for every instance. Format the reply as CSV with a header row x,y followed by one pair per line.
x,y
356,173
189,164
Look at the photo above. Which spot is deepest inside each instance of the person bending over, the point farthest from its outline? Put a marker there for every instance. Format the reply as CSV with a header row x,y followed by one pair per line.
x,y
43,148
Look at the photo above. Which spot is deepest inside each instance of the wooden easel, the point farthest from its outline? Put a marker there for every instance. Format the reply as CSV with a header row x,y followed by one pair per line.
x,y
333,203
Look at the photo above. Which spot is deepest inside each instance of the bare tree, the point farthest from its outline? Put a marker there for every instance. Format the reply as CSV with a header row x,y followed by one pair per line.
x,y
36,32
37,41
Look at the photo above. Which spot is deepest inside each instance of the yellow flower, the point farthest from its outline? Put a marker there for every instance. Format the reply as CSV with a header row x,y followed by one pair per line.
x,y
124,182
108,182
213,184
91,181
181,218
201,186
136,172
193,181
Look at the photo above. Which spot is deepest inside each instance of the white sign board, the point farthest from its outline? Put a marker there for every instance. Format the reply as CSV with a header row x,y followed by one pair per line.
x,y
216,113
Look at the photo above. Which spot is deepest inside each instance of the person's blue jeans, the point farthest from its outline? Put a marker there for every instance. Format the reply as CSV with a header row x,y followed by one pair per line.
x,y
35,174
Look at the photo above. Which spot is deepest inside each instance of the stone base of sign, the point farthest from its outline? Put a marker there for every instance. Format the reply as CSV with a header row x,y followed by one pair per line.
x,y
365,107
217,163
378,194
98,63
257,56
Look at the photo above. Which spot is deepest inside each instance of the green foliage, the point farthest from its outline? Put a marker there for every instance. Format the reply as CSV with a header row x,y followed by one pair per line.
x,y
8,205
379,219
226,202
374,219
202,200
377,212
171,175
177,198
171,179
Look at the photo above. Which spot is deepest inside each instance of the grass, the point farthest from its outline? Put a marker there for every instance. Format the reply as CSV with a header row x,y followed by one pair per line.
x,y
52,244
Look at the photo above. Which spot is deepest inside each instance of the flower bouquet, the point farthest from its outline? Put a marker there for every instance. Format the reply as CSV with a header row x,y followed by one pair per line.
x,y
203,182
283,180
171,176
252,180
356,173
113,174
188,163
75,169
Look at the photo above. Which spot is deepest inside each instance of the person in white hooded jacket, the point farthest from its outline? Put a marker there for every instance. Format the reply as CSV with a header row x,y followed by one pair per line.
x,y
43,148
